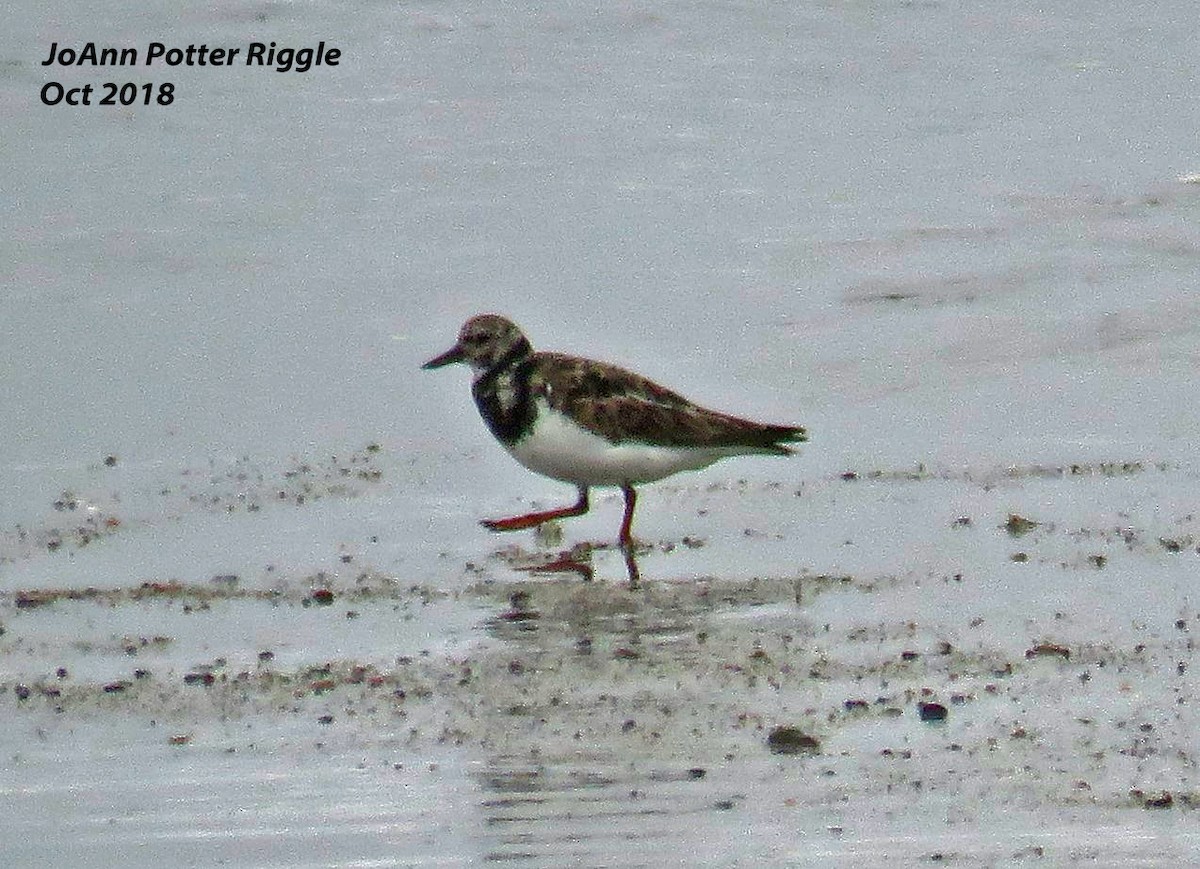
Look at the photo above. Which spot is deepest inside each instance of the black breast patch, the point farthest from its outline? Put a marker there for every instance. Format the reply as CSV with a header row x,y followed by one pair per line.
x,y
505,402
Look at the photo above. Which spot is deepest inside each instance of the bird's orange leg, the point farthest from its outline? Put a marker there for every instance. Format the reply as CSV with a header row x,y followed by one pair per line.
x,y
532,520
626,538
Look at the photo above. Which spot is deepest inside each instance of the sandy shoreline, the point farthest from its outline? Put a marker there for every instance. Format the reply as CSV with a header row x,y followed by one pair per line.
x,y
567,702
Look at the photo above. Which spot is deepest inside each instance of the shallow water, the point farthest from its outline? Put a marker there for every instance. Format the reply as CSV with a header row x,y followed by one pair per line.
x,y
954,243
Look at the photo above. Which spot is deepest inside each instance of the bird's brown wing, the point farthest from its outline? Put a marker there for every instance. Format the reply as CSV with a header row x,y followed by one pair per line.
x,y
622,406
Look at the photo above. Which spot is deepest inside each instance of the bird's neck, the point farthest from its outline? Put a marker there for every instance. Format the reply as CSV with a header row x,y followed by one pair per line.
x,y
502,394
511,358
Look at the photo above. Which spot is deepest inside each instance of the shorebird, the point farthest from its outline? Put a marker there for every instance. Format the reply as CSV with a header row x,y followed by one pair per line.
x,y
590,423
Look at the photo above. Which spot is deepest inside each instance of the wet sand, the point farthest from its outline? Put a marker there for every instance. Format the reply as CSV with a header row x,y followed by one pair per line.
x,y
1016,698
249,617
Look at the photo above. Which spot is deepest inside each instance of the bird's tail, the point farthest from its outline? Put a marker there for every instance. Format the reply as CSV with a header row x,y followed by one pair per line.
x,y
776,438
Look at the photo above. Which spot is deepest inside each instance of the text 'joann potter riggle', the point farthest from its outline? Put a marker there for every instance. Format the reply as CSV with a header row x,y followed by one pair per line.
x,y
256,54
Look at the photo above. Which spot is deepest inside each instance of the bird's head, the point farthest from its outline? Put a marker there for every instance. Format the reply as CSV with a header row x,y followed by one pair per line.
x,y
484,342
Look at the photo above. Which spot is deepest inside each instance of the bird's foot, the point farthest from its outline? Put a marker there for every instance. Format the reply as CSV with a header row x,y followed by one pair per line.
x,y
533,520
514,523
520,523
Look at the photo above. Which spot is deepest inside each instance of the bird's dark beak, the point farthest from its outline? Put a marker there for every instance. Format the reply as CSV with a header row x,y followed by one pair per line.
x,y
454,354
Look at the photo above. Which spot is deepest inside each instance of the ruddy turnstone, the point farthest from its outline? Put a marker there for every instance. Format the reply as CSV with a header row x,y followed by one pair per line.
x,y
593,424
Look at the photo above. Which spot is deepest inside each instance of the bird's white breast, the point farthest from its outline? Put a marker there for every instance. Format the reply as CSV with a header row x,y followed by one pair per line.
x,y
559,448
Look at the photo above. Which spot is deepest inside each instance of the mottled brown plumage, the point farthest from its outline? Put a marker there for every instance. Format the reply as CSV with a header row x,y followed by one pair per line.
x,y
623,406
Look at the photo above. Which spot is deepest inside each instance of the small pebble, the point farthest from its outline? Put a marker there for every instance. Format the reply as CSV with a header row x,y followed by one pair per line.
x,y
792,740
931,711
